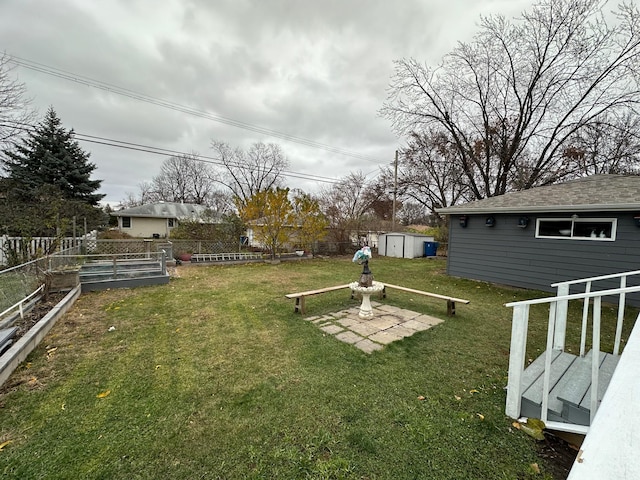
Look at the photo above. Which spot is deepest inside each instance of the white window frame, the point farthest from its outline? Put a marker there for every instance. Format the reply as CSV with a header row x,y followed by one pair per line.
x,y
130,221
574,220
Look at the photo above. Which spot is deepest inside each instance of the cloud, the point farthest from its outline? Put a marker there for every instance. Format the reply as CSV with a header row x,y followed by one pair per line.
x,y
309,69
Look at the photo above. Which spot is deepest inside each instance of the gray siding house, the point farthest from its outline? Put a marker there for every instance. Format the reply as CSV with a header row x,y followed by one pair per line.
x,y
533,238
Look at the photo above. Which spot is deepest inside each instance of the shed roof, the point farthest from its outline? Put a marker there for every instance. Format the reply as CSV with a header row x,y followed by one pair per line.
x,y
594,193
180,211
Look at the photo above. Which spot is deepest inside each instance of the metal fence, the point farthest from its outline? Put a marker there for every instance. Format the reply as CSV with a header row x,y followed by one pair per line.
x,y
173,248
20,282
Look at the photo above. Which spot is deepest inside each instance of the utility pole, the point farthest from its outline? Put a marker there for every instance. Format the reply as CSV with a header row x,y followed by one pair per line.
x,y
395,191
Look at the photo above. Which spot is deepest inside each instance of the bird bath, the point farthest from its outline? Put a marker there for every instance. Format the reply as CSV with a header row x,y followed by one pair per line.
x,y
366,286
365,308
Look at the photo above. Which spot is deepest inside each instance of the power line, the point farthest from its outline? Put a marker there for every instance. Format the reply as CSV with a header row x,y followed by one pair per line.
x,y
198,157
90,82
202,158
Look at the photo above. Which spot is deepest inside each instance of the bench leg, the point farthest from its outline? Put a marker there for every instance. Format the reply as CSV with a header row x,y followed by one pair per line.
x,y
451,308
299,306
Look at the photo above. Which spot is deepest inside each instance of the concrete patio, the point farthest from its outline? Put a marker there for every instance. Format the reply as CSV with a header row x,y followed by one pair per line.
x,y
387,325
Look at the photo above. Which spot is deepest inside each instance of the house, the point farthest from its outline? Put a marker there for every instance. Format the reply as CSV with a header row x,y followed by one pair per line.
x,y
155,220
533,238
580,240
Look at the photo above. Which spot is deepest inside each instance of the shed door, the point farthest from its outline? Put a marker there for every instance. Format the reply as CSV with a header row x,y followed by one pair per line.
x,y
395,246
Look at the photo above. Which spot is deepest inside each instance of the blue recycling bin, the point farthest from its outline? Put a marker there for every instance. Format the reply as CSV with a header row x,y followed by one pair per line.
x,y
430,249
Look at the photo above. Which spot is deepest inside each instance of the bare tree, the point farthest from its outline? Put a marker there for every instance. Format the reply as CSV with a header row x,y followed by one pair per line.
x,y
15,115
511,100
608,146
347,207
428,172
183,178
251,172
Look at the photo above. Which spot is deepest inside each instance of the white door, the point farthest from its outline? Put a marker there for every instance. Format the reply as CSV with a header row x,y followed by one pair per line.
x,y
395,246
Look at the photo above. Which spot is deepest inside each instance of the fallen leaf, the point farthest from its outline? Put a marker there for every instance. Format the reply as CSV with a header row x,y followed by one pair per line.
x,y
157,367
473,391
4,444
516,425
421,397
536,423
534,428
103,394
63,406
51,350
535,468
480,416
457,397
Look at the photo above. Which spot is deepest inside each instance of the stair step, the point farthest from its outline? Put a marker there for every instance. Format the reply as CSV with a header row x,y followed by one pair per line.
x,y
561,362
569,384
577,404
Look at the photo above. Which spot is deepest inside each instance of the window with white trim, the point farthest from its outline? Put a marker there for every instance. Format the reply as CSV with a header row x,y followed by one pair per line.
x,y
170,222
126,222
598,229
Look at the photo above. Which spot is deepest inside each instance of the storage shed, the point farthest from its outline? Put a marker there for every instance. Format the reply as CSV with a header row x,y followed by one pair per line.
x,y
402,245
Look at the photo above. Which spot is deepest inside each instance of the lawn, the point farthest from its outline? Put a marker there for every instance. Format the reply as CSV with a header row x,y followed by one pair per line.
x,y
214,376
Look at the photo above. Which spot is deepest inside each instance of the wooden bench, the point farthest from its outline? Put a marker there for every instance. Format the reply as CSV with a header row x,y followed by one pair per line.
x,y
300,296
451,301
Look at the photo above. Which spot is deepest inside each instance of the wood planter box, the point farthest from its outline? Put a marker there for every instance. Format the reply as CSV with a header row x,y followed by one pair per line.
x,y
63,280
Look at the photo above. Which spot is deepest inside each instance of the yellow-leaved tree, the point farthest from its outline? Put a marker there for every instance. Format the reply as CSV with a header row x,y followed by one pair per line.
x,y
311,222
271,214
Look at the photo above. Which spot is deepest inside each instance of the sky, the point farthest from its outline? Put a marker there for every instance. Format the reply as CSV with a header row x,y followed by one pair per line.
x,y
308,75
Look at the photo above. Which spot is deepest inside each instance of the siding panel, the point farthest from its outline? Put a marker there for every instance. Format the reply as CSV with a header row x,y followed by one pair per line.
x,y
509,255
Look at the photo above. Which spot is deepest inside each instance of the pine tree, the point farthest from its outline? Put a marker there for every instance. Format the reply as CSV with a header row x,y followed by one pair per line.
x,y
51,157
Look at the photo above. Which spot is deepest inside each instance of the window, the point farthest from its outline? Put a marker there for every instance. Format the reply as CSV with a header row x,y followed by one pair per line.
x,y
126,222
600,229
170,222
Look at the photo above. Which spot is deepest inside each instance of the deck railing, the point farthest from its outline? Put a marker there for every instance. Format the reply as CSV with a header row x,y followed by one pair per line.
x,y
563,288
556,333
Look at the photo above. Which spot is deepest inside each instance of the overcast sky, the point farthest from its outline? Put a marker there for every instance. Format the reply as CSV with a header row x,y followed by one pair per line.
x,y
315,70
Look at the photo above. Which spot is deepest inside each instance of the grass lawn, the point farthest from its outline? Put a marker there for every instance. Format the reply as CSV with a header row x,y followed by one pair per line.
x,y
214,376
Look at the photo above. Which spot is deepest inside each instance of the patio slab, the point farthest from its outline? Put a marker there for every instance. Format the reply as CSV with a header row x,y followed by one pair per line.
x,y
388,324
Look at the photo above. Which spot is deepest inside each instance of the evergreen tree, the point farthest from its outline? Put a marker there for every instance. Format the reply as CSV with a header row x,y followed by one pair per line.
x,y
50,156
48,183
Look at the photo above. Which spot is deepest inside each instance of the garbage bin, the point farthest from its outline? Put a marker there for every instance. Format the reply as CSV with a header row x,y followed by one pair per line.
x,y
430,249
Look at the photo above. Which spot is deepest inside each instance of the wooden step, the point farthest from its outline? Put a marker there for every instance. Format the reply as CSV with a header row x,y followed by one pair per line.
x,y
576,398
569,386
534,378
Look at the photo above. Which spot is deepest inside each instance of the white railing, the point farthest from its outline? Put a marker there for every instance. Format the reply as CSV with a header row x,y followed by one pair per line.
x,y
556,333
563,288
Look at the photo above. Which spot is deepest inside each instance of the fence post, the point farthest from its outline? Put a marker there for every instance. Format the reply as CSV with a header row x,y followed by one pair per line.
x,y
3,257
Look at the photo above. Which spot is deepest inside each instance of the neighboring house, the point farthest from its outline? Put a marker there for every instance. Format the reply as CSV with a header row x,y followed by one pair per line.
x,y
536,237
156,220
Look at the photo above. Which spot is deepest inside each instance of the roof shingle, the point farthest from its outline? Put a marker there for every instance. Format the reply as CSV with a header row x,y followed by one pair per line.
x,y
594,193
